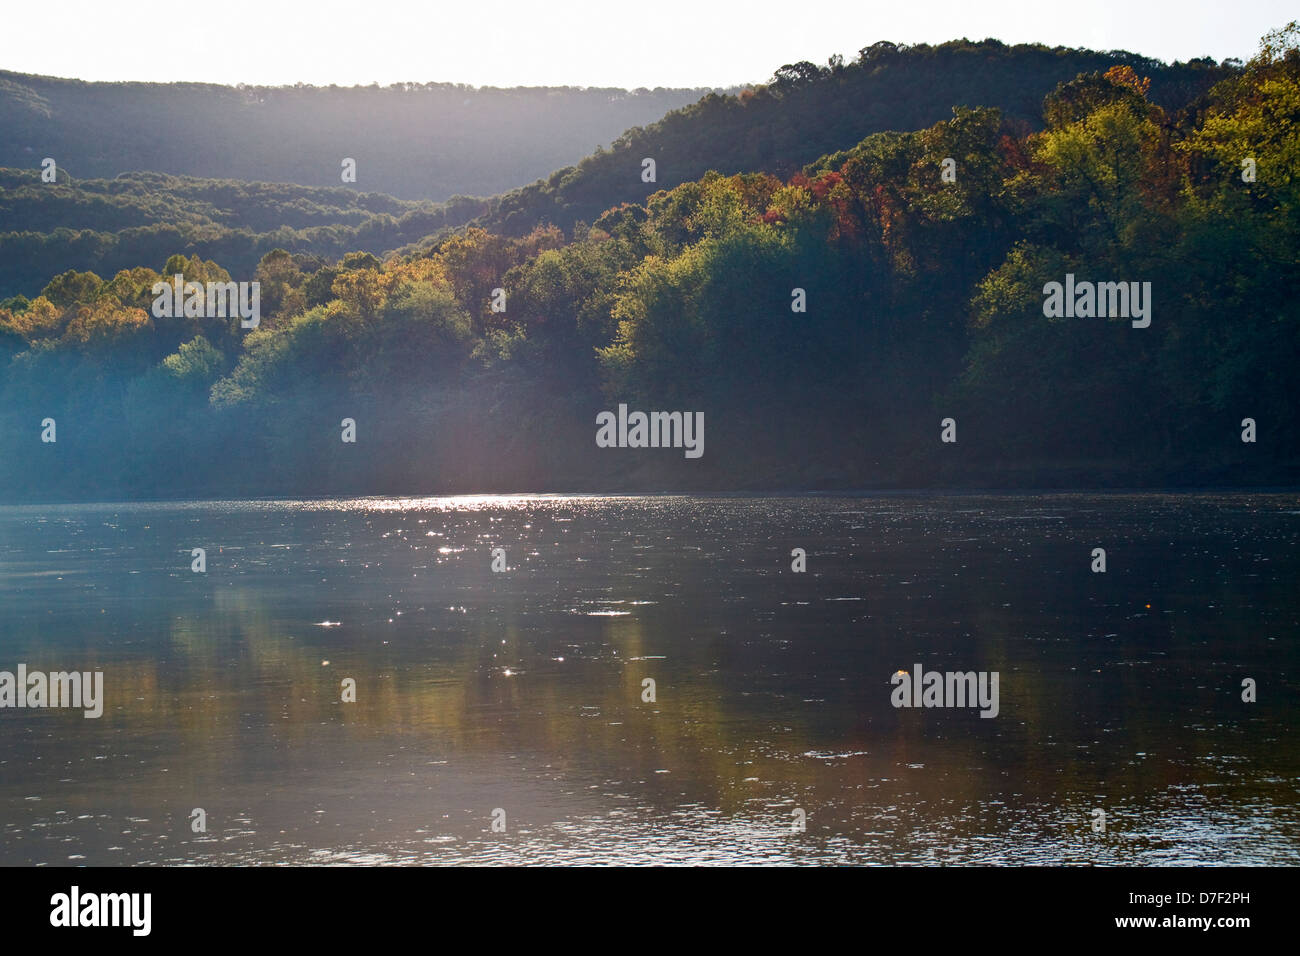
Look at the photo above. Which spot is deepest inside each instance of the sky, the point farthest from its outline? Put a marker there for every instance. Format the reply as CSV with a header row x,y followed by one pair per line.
x,y
623,43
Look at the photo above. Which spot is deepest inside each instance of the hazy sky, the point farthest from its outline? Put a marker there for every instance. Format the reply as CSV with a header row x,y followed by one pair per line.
x,y
626,43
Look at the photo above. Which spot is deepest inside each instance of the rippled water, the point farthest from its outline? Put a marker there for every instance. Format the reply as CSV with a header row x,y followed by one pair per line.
x,y
522,690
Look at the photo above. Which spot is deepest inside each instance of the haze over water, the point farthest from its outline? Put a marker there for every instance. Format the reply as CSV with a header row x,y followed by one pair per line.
x,y
522,690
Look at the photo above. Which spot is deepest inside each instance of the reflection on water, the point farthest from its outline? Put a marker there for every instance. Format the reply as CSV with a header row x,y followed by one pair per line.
x,y
522,690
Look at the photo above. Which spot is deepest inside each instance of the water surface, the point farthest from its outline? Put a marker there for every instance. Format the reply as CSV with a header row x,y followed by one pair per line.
x,y
523,690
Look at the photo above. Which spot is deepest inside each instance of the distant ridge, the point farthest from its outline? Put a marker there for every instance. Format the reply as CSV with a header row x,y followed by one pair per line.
x,y
427,141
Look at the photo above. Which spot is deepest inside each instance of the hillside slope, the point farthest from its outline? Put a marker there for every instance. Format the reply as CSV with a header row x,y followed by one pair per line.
x,y
808,111
106,225
415,141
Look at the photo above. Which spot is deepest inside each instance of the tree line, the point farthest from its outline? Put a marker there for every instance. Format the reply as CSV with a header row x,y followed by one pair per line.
x,y
918,262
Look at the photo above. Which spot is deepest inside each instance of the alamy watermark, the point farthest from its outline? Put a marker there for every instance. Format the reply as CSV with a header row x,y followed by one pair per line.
x,y
75,908
950,689
58,689
212,300
653,430
1102,300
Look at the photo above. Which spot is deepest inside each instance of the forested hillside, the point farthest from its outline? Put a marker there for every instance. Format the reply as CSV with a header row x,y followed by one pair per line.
x,y
824,322
808,110
105,225
414,140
